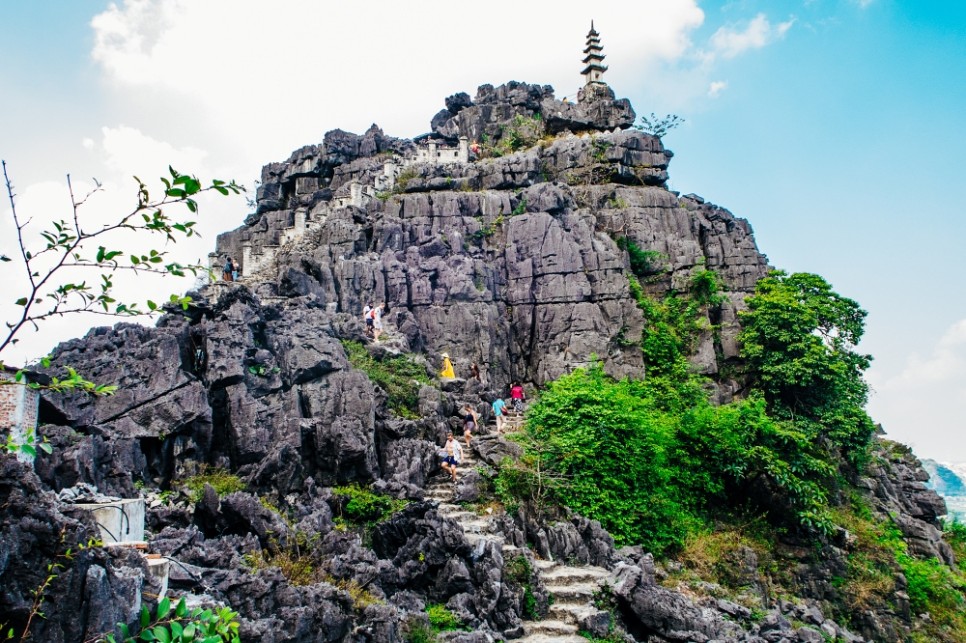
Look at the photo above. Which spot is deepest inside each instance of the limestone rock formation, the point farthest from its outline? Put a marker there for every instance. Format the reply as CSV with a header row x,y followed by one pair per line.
x,y
512,261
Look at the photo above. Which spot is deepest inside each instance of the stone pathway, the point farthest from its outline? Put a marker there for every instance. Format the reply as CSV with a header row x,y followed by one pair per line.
x,y
571,588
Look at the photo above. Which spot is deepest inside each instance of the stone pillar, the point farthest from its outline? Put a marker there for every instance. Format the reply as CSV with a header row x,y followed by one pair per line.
x,y
432,152
355,194
300,222
464,154
248,261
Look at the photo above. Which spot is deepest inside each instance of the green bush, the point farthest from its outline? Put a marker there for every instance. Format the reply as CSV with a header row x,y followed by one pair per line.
x,y
398,375
362,506
443,620
222,481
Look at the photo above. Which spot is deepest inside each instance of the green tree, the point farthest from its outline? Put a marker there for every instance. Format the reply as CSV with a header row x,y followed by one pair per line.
x,y
799,338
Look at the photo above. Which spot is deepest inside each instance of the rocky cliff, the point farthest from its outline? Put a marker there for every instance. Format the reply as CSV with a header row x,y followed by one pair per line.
x,y
510,259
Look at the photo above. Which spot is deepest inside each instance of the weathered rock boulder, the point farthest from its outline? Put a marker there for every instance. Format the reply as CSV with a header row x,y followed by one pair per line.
x,y
46,554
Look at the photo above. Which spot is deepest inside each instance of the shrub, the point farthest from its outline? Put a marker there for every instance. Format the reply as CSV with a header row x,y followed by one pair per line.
x,y
399,376
222,481
441,619
363,507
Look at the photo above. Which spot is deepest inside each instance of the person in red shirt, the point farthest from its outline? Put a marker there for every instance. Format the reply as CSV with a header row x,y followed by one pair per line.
x,y
517,396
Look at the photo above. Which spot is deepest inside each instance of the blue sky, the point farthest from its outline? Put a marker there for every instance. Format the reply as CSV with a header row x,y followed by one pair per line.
x,y
837,128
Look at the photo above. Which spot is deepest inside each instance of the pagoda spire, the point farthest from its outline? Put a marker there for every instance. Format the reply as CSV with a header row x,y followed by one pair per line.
x,y
594,66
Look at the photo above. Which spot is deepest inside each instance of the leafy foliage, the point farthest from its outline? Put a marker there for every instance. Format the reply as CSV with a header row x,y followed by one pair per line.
x,y
398,375
222,481
67,248
799,339
181,625
654,460
363,506
644,263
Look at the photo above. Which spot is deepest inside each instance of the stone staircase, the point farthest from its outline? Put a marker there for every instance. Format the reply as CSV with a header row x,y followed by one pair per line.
x,y
571,588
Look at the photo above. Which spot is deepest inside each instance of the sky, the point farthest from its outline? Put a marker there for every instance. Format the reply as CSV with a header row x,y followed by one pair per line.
x,y
836,127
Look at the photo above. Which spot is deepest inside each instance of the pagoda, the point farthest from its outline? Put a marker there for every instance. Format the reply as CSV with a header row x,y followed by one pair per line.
x,y
593,58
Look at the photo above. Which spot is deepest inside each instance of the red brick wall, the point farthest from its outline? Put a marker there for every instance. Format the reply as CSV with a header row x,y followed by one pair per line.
x,y
18,405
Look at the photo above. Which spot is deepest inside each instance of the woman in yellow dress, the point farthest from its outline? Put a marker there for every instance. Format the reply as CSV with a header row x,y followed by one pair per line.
x,y
447,367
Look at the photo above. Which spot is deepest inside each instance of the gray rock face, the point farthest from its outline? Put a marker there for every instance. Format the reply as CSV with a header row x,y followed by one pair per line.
x,y
596,110
513,263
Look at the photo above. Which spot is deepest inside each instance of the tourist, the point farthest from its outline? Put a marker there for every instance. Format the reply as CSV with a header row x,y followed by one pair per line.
x,y
229,270
517,396
377,313
447,372
452,455
470,422
368,317
498,407
234,270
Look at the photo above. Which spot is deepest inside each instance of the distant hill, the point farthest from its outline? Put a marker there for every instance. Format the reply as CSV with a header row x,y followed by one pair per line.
x,y
949,481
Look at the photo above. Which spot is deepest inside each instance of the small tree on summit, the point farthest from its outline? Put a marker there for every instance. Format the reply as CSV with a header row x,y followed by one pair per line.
x,y
658,125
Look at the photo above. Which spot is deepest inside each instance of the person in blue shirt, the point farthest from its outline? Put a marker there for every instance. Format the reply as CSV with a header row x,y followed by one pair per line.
x,y
498,406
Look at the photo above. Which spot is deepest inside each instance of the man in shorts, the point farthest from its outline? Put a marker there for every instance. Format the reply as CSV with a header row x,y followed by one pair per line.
x,y
452,454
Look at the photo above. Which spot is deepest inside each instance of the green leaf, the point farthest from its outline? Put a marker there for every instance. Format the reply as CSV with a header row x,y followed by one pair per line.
x,y
145,617
46,448
162,634
181,609
163,608
22,301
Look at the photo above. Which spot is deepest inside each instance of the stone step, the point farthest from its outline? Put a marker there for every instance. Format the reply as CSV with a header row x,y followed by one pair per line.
x,y
570,612
542,564
574,592
549,628
476,526
552,638
460,516
473,538
570,575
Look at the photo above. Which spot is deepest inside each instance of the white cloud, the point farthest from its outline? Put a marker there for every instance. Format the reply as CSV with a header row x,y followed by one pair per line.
x,y
730,41
924,404
286,75
864,3
129,151
716,87
119,153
